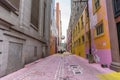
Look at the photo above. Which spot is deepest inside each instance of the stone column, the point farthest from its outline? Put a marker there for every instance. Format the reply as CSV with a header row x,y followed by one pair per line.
x,y
115,65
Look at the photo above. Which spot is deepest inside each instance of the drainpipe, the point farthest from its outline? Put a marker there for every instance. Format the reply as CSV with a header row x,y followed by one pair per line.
x,y
90,55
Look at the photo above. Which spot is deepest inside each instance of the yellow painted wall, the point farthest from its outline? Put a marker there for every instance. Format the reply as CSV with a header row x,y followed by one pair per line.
x,y
78,46
101,16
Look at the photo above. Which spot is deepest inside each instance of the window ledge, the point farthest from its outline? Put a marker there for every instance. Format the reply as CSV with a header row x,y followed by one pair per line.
x,y
101,35
33,27
8,5
95,11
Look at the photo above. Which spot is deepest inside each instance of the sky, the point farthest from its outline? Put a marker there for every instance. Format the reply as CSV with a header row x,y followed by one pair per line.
x,y
65,15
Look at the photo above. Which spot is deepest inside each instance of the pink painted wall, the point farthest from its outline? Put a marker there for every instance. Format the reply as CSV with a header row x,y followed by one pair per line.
x,y
100,45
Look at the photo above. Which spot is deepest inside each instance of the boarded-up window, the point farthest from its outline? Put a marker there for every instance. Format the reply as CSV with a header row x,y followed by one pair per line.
x,y
35,13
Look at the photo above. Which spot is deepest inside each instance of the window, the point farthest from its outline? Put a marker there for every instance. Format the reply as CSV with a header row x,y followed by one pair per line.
x,y
78,27
11,5
74,44
87,36
44,18
117,7
118,34
35,13
79,41
35,51
96,4
86,13
82,21
83,39
86,10
77,9
99,29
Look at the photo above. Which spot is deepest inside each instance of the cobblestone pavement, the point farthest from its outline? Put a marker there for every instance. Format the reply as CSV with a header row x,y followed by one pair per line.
x,y
59,67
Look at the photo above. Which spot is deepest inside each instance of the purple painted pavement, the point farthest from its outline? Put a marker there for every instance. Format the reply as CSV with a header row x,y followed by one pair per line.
x,y
58,67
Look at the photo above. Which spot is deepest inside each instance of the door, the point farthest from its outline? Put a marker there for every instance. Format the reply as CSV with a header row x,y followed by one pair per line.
x,y
118,32
14,57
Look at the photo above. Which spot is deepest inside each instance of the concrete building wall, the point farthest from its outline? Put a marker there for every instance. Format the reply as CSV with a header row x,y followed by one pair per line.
x,y
17,35
76,10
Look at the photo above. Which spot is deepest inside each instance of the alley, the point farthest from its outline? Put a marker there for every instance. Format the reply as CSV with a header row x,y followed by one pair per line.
x,y
59,67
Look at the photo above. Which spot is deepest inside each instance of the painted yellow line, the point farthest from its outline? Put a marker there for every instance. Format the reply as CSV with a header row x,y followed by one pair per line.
x,y
109,76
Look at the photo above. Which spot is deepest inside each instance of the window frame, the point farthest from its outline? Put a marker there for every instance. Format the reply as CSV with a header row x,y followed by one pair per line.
x,y
101,32
35,25
83,38
82,22
94,8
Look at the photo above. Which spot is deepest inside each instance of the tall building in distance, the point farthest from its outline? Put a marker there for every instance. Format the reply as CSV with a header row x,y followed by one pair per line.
x,y
53,30
58,24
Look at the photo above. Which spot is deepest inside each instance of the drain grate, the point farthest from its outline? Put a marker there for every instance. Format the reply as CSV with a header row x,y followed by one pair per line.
x,y
65,78
76,69
77,72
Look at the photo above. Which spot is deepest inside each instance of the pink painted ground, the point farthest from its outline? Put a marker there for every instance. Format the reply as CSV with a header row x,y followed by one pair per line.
x,y
57,67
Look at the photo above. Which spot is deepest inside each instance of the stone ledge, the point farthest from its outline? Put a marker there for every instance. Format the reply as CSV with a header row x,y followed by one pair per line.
x,y
9,26
115,66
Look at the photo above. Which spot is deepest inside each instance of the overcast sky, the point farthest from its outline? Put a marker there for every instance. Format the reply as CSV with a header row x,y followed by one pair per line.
x,y
65,14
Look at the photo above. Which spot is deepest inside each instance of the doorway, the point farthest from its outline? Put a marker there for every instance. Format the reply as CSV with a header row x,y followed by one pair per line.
x,y
118,32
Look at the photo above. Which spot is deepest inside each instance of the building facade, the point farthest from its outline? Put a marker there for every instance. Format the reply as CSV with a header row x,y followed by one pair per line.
x,y
58,24
69,40
24,32
103,22
69,37
79,40
76,11
100,39
53,31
